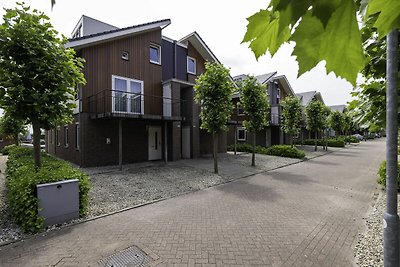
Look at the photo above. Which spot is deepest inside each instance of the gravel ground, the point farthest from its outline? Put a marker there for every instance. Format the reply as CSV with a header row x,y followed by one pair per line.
x,y
114,190
369,248
8,230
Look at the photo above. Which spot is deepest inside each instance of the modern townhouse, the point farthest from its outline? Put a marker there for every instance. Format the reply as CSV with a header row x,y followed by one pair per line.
x,y
305,98
278,88
138,102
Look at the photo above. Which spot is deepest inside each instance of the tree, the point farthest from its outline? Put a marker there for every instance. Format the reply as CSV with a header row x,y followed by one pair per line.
x,y
291,116
12,127
336,122
315,118
213,91
348,124
37,74
254,101
328,30
326,114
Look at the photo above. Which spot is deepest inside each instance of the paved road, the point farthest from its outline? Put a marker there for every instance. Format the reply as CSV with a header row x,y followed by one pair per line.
x,y
307,214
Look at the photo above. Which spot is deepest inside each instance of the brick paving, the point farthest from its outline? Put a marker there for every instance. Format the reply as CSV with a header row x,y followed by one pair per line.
x,y
307,214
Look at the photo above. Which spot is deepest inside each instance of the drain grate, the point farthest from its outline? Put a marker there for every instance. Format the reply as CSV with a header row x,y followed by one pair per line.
x,y
131,256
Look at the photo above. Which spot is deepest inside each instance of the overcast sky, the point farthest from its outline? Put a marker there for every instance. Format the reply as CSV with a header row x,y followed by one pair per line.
x,y
221,24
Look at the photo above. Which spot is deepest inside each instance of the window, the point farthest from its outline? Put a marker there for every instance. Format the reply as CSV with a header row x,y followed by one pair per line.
x,y
241,134
65,136
125,55
155,54
127,95
191,65
77,133
278,95
58,136
78,33
240,110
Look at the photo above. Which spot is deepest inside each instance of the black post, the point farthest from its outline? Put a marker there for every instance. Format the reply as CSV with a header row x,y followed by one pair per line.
x,y
390,218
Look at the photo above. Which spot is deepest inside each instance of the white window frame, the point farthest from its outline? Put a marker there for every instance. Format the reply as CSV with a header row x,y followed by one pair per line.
x,y
187,65
128,108
158,47
237,134
66,136
77,137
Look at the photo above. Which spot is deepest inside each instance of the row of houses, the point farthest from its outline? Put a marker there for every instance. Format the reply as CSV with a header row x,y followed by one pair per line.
x,y
138,102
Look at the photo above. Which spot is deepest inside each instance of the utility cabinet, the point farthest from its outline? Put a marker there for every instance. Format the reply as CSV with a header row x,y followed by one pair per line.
x,y
59,201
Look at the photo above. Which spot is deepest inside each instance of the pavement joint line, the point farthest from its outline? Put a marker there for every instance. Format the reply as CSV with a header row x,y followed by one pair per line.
x,y
159,200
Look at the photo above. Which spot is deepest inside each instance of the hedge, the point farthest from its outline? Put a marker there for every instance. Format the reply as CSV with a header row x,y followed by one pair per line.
x,y
382,175
6,149
22,180
278,150
331,142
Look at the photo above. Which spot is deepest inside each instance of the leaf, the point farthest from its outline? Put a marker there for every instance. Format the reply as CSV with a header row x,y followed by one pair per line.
x,y
323,9
342,47
291,12
389,17
308,37
263,33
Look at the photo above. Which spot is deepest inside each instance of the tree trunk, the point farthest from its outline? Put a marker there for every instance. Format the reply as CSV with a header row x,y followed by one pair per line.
x,y
215,152
316,136
253,157
36,143
16,141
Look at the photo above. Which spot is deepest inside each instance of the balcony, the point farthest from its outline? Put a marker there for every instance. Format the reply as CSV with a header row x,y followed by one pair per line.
x,y
121,104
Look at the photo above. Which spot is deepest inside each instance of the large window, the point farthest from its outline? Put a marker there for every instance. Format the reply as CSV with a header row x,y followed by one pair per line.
x,y
240,110
241,134
155,54
191,65
127,95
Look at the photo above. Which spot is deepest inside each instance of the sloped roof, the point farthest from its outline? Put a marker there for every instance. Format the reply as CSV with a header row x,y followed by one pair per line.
x,y
201,47
340,108
263,78
306,97
115,34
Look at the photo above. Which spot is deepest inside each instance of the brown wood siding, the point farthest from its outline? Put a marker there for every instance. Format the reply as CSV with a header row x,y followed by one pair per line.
x,y
104,60
200,67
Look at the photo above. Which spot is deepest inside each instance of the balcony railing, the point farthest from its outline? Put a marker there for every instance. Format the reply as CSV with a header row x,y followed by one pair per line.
x,y
112,103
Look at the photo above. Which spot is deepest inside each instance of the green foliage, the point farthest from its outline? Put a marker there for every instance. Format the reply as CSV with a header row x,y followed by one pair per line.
x,y
315,116
213,91
330,142
291,115
37,74
336,121
382,175
285,151
6,149
278,150
322,30
12,127
22,180
254,101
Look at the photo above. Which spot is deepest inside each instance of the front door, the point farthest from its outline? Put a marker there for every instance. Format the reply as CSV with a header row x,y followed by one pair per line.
x,y
155,143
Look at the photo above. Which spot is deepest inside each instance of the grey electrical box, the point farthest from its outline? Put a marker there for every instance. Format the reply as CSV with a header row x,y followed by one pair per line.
x,y
58,202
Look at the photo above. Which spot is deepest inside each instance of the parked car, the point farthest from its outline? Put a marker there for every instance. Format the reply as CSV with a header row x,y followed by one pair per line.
x,y
358,136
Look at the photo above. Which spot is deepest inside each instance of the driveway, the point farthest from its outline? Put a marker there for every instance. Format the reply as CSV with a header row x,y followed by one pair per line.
x,y
306,214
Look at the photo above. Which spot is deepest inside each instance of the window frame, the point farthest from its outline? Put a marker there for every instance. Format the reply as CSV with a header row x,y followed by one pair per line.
x,y
158,47
77,136
238,129
187,65
129,91
66,136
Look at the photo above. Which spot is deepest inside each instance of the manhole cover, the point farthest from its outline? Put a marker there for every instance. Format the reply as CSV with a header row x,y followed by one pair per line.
x,y
131,256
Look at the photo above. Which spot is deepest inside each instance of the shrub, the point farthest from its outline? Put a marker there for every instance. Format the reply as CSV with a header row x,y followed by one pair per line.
x,y
285,151
331,142
281,150
382,175
6,149
22,180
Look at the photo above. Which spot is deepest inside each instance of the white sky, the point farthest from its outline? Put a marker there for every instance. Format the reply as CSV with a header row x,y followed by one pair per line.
x,y
221,24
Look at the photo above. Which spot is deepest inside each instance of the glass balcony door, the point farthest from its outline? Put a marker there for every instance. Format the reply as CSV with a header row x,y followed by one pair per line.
x,y
127,95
